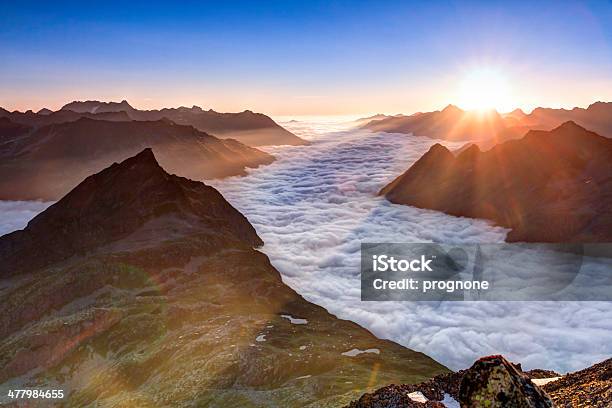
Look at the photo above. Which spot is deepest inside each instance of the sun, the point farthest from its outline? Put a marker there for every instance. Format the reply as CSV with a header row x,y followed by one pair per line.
x,y
484,89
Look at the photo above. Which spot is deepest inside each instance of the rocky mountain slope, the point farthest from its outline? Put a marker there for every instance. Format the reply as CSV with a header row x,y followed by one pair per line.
x,y
253,129
47,163
141,288
591,387
529,185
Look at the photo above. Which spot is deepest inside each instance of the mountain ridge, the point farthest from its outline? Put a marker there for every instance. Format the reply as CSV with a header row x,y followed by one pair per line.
x,y
525,184
253,129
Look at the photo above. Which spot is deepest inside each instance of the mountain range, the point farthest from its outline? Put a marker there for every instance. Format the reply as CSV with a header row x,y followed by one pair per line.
x,y
491,127
48,161
253,129
142,288
549,186
451,123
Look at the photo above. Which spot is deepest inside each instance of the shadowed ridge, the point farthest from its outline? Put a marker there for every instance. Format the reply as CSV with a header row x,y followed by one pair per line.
x,y
114,203
527,184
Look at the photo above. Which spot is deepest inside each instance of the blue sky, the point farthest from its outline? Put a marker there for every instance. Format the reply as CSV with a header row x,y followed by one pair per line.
x,y
292,58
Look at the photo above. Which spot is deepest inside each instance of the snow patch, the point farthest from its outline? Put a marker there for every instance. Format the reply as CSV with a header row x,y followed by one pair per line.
x,y
355,352
543,381
417,396
294,320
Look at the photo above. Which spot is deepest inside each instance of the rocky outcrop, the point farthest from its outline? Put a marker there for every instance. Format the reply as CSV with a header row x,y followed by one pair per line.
x,y
528,185
494,382
252,129
428,394
451,123
49,162
539,373
143,288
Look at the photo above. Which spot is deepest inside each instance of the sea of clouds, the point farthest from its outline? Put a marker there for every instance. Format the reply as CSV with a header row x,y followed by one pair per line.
x,y
315,205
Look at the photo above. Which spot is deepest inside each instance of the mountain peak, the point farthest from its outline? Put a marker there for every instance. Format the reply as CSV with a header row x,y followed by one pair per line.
x,y
450,108
117,202
44,111
146,156
569,125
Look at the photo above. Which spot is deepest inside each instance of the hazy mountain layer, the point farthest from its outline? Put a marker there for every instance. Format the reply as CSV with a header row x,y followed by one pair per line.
x,y
489,128
451,124
253,129
50,161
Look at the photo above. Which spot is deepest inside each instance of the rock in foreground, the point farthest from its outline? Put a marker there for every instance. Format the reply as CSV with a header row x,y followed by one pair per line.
x,y
493,382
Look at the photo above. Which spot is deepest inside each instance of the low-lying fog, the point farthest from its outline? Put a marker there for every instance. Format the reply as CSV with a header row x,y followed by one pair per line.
x,y
316,204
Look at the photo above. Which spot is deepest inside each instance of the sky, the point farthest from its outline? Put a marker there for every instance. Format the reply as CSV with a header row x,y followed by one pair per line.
x,y
307,57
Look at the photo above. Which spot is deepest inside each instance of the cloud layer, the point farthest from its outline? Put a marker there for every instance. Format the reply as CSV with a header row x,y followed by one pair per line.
x,y
316,204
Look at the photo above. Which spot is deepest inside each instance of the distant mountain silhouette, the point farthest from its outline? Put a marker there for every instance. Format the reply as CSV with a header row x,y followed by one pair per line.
x,y
378,116
597,118
144,288
549,186
98,107
50,161
489,128
253,129
451,123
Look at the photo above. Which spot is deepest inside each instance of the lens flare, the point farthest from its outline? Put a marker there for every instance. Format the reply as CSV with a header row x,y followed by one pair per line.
x,y
485,89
